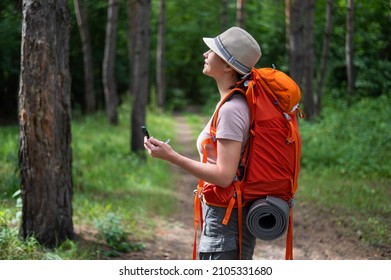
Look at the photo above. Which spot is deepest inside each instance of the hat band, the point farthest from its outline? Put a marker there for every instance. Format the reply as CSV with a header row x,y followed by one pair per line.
x,y
230,58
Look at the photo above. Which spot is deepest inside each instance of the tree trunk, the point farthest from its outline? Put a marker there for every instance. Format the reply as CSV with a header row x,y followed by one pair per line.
x,y
141,10
224,15
296,34
89,94
287,25
240,8
309,102
160,74
349,46
18,5
109,84
45,155
131,20
325,56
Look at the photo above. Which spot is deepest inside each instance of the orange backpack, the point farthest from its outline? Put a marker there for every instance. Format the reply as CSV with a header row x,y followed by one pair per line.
x,y
271,161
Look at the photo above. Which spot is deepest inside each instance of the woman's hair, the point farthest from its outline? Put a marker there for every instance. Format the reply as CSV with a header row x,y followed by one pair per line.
x,y
238,78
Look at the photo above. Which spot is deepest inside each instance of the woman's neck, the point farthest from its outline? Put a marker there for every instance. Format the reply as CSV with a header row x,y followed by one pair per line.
x,y
225,83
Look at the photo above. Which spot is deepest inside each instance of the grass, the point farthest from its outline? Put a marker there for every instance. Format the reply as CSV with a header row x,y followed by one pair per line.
x,y
116,193
196,123
346,165
362,205
118,196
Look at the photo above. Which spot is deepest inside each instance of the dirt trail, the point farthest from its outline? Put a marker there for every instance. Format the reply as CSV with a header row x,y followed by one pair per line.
x,y
317,235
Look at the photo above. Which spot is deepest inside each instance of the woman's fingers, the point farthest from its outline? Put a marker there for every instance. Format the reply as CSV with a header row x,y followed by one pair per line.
x,y
156,148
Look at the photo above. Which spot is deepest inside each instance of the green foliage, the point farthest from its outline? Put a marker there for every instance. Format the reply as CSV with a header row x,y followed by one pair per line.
x,y
10,30
112,231
265,20
361,205
352,140
178,100
9,170
12,247
187,22
68,250
345,170
346,165
107,179
371,49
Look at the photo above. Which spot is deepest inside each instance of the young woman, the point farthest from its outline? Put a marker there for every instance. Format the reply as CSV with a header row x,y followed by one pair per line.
x,y
230,58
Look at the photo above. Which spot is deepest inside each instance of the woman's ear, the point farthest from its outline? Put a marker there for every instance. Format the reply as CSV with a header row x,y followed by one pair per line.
x,y
228,68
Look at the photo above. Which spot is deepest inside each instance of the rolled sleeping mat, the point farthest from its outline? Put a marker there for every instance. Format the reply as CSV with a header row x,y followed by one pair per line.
x,y
268,218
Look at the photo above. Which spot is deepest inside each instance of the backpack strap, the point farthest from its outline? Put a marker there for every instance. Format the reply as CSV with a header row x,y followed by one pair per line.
x,y
240,216
198,222
289,237
197,218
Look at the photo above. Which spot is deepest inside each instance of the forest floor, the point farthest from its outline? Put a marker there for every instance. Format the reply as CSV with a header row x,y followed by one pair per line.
x,y
317,233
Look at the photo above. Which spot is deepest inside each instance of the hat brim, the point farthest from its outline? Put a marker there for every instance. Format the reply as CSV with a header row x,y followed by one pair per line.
x,y
210,42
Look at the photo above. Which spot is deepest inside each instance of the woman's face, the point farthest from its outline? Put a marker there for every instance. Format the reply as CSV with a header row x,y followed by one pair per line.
x,y
214,65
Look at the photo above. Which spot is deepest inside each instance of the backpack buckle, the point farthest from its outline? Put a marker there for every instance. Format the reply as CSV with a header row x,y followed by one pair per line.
x,y
241,170
291,202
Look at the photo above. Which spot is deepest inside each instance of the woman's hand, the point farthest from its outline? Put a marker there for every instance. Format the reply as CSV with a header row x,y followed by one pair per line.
x,y
222,173
159,149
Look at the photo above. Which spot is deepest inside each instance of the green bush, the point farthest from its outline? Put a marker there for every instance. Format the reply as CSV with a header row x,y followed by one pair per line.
x,y
9,170
346,165
112,231
107,178
353,140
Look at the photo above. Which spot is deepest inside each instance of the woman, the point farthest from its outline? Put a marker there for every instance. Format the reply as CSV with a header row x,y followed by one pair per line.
x,y
231,57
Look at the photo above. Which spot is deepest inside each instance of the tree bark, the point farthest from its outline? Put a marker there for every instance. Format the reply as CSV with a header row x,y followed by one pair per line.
x,y
240,12
309,102
296,35
325,56
108,76
141,11
45,155
160,65
224,15
287,25
89,94
349,45
131,20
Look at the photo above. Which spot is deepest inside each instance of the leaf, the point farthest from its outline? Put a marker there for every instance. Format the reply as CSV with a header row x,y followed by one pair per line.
x,y
17,193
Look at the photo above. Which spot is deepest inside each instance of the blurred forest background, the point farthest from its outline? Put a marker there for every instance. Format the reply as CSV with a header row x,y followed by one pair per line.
x,y
137,61
186,22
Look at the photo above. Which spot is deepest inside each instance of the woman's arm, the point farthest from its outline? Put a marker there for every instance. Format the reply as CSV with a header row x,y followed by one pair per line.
x,y
221,174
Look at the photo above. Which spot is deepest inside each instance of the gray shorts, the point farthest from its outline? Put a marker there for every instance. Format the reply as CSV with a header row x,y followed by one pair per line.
x,y
220,241
227,255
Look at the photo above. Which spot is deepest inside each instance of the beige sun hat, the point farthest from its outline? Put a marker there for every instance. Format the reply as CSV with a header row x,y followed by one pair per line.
x,y
237,47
